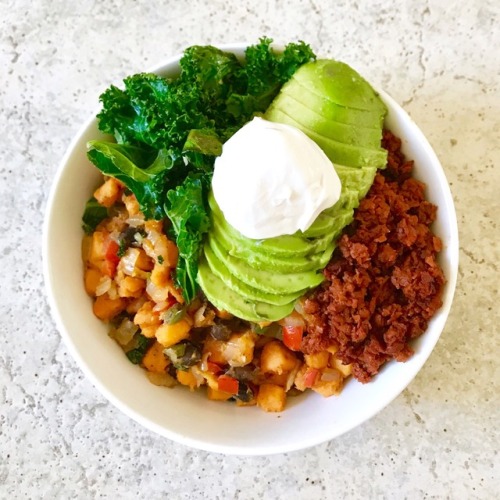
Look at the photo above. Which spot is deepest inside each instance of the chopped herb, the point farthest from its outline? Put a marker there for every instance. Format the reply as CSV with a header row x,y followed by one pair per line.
x,y
136,355
183,355
174,314
160,259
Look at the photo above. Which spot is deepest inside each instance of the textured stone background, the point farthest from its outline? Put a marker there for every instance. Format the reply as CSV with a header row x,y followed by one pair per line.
x,y
59,438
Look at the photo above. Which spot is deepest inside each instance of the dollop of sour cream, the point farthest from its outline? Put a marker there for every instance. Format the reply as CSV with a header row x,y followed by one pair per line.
x,y
272,180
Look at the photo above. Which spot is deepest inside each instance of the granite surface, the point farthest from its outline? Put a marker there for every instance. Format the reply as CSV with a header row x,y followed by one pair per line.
x,y
59,438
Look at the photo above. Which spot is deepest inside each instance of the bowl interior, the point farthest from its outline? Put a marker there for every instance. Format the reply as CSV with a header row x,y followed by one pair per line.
x,y
188,417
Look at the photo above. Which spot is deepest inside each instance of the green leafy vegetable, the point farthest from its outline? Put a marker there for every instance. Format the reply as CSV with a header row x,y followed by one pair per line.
x,y
142,343
94,213
174,314
187,210
139,170
169,131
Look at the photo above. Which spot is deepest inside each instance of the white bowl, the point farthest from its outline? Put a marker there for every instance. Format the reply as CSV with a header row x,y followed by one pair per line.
x,y
188,417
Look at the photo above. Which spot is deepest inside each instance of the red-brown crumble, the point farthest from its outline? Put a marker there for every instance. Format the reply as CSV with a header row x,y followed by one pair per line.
x,y
383,283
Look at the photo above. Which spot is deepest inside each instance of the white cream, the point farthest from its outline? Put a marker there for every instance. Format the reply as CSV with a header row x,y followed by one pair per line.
x,y
272,180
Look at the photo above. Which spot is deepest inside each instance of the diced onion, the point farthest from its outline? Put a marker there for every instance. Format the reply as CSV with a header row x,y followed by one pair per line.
x,y
330,376
125,332
158,294
103,286
136,221
128,261
293,320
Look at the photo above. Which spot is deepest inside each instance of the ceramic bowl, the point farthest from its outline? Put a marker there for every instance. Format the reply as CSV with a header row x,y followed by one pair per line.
x,y
189,417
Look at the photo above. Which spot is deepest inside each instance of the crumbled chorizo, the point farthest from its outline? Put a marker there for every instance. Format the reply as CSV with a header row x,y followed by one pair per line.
x,y
384,282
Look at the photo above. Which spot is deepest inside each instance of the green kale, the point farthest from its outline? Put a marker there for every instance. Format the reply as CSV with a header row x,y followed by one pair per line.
x,y
141,172
94,213
186,207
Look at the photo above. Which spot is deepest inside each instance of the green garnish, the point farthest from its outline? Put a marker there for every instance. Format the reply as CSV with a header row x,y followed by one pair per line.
x,y
142,344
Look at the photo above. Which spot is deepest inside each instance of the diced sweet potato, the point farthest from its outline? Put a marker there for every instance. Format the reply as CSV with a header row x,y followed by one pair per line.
x,y
216,395
98,247
346,370
318,360
130,287
92,279
271,397
108,194
160,275
131,204
187,378
146,316
329,383
169,335
237,351
154,360
106,308
276,358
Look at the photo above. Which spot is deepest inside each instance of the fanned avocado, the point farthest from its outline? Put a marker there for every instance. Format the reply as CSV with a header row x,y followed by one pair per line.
x,y
260,280
266,280
225,298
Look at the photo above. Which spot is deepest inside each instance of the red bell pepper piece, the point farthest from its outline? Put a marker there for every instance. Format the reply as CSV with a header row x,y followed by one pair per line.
x,y
213,368
228,384
310,377
292,337
111,258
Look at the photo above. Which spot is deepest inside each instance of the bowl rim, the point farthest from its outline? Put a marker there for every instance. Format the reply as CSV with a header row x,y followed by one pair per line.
x,y
207,445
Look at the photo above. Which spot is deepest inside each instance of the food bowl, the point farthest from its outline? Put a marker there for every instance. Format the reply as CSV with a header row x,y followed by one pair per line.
x,y
188,417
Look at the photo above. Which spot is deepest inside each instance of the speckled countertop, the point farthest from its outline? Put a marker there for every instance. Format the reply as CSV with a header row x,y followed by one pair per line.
x,y
59,438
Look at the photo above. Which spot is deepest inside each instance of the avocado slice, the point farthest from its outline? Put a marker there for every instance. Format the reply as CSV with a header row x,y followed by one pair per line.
x,y
226,299
268,261
339,83
359,179
286,246
266,280
345,154
240,287
329,109
332,129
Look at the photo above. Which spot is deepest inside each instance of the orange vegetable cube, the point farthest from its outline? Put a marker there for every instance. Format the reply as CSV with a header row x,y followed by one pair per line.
x,y
92,279
187,378
131,287
271,398
216,395
106,308
154,360
108,194
169,335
